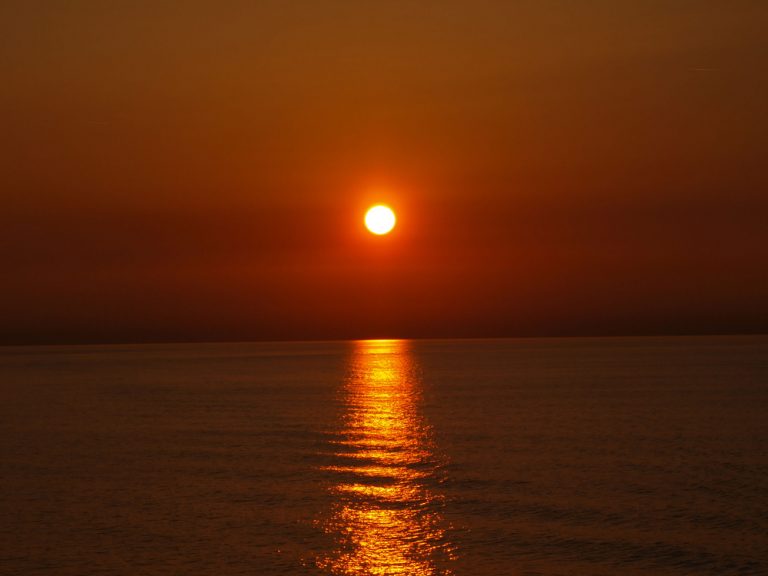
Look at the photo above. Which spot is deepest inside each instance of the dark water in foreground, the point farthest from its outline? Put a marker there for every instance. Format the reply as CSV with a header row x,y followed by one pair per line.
x,y
531,457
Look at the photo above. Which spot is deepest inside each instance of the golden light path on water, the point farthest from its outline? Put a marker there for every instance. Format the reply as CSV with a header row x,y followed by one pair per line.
x,y
386,519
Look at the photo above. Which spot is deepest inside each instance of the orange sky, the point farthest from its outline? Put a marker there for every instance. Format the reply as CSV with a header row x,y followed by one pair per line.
x,y
198,170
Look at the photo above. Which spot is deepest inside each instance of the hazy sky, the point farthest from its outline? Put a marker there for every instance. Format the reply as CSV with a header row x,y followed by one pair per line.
x,y
199,170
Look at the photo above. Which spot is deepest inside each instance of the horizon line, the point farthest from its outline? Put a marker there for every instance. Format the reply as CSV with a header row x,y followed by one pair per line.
x,y
172,342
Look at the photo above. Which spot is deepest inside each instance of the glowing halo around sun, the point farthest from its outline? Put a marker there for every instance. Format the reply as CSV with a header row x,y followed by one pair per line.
x,y
380,219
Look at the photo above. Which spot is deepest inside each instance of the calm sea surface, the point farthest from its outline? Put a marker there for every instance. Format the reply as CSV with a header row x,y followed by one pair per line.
x,y
526,457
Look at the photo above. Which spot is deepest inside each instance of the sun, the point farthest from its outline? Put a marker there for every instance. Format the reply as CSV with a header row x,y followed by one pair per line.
x,y
380,219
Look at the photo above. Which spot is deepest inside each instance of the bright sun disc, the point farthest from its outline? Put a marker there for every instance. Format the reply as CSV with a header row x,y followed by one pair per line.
x,y
380,219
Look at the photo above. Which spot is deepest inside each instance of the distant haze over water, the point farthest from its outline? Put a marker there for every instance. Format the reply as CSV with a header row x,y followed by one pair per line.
x,y
546,457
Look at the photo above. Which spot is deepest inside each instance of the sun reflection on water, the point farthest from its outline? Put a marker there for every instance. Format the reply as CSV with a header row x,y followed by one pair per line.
x,y
386,519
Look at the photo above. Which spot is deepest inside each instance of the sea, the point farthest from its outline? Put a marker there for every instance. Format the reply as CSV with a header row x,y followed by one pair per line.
x,y
526,457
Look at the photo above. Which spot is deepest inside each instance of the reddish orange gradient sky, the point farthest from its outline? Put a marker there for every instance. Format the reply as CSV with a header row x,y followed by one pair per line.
x,y
199,171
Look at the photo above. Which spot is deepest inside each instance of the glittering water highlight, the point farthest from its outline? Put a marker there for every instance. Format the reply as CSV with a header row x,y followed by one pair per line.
x,y
387,518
